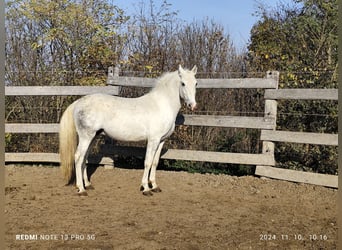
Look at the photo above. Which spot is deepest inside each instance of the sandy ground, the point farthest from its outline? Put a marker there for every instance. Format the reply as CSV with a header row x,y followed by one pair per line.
x,y
193,211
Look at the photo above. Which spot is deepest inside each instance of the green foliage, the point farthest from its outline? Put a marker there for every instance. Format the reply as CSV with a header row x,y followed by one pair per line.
x,y
207,167
311,158
299,39
8,139
301,42
51,36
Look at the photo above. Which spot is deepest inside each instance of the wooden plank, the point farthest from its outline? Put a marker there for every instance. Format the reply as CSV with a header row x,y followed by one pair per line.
x,y
245,83
59,90
194,120
32,157
298,176
194,155
50,158
302,94
220,157
226,121
132,81
176,154
300,137
31,128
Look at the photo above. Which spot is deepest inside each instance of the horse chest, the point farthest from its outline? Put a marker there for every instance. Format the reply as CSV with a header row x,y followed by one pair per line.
x,y
168,131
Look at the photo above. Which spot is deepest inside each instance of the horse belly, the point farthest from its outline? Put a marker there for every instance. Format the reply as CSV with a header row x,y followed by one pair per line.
x,y
127,131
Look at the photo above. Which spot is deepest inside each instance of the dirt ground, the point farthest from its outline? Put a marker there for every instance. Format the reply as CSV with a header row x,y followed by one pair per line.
x,y
194,211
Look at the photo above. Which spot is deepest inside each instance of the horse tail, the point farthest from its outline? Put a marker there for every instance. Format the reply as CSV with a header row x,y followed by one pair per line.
x,y
68,144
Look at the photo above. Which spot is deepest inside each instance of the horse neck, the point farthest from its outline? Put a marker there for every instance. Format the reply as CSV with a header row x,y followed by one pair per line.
x,y
168,88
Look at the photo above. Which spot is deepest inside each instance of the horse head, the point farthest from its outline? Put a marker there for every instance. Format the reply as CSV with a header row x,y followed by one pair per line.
x,y
187,86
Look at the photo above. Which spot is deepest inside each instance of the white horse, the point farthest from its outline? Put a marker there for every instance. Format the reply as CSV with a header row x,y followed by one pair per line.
x,y
150,118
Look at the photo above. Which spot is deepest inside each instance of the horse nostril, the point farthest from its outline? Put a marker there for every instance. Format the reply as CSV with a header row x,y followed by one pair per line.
x,y
192,106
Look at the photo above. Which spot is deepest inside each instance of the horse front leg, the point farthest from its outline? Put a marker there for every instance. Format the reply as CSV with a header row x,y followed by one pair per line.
x,y
155,162
152,146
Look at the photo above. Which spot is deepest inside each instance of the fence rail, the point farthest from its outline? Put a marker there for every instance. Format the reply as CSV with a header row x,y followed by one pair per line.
x,y
302,94
193,120
27,128
59,90
300,137
297,176
171,154
264,161
270,82
242,83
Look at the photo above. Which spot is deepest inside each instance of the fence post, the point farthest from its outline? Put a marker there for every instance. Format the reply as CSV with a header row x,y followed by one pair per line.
x,y
112,79
270,115
113,75
107,161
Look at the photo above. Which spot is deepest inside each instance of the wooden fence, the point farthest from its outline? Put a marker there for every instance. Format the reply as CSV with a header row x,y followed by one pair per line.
x,y
264,161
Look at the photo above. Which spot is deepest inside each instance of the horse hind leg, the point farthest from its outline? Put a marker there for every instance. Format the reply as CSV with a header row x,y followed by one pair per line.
x,y
80,163
87,183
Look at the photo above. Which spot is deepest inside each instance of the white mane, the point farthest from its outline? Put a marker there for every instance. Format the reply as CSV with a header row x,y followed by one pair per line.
x,y
165,80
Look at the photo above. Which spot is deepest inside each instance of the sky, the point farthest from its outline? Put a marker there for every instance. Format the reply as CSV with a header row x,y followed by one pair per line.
x,y
236,16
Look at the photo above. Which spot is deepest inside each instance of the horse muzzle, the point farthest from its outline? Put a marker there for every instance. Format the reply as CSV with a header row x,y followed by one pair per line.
x,y
192,106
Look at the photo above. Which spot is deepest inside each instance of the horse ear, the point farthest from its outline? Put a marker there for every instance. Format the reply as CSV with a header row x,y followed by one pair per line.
x,y
194,70
180,70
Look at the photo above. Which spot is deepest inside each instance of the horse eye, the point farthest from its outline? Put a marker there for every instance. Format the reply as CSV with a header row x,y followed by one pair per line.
x,y
196,84
183,84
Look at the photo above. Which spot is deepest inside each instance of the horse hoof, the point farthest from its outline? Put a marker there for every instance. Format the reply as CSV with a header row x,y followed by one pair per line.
x,y
147,193
142,188
91,187
83,193
156,190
